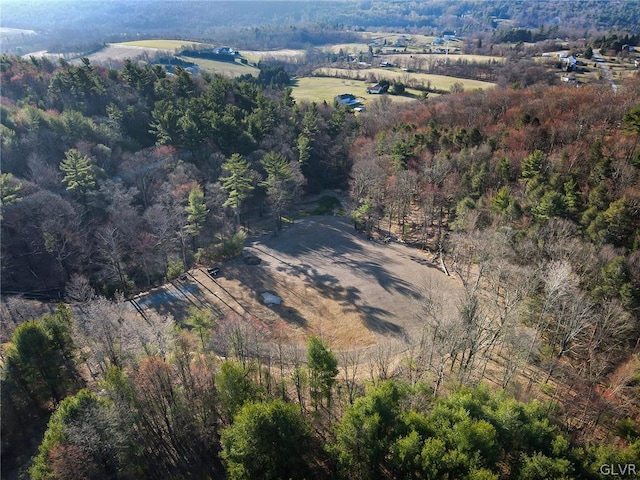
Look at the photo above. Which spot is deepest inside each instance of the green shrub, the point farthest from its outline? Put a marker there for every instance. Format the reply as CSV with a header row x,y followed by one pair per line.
x,y
231,246
327,205
175,268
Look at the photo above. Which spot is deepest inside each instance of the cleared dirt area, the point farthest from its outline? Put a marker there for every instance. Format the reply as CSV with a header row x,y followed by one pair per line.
x,y
332,280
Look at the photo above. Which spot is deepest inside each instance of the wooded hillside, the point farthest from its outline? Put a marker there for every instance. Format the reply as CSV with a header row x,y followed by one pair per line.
x,y
115,181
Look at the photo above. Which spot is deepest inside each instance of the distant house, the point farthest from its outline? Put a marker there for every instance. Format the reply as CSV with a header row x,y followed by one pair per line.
x,y
224,51
347,99
376,89
569,63
438,41
449,35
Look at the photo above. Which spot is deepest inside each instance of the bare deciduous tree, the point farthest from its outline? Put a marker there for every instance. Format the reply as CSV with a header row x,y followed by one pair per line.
x,y
112,333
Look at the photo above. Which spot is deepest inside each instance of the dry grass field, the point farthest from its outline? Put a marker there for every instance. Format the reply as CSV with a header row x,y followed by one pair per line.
x,y
283,55
226,69
441,82
405,60
160,44
119,52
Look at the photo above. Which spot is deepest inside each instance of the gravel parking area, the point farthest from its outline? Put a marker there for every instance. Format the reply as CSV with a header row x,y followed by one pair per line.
x,y
332,281
381,281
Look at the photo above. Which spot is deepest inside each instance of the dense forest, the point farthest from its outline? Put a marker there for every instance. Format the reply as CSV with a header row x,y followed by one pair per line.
x,y
253,24
114,181
140,169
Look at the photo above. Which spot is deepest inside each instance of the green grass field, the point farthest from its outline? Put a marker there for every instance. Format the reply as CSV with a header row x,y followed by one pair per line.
x,y
416,58
285,55
320,89
440,82
349,47
226,69
160,44
391,38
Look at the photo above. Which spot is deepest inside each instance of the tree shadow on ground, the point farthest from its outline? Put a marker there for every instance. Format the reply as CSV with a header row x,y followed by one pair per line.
x,y
331,240
175,299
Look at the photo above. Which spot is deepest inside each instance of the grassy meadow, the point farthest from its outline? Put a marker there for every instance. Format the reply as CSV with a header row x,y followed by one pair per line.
x,y
161,44
440,82
226,69
320,89
284,55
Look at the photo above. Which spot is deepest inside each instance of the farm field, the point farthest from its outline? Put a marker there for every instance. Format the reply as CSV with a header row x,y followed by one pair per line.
x,y
410,44
226,69
391,38
319,89
348,47
284,55
405,60
441,82
160,44
119,52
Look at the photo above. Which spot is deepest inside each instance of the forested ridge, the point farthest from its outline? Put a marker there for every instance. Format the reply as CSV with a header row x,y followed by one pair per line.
x,y
298,24
114,181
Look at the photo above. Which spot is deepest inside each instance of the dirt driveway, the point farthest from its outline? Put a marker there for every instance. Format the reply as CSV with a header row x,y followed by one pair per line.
x,y
333,281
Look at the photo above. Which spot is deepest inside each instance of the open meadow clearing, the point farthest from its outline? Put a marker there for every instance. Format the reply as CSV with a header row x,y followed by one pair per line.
x,y
405,60
118,52
226,69
391,38
320,89
282,55
440,82
161,44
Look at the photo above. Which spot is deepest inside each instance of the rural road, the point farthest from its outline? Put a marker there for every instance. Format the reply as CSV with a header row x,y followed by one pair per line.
x,y
605,70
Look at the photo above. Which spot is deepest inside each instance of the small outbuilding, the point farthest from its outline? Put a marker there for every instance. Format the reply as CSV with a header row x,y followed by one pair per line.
x,y
347,99
375,89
